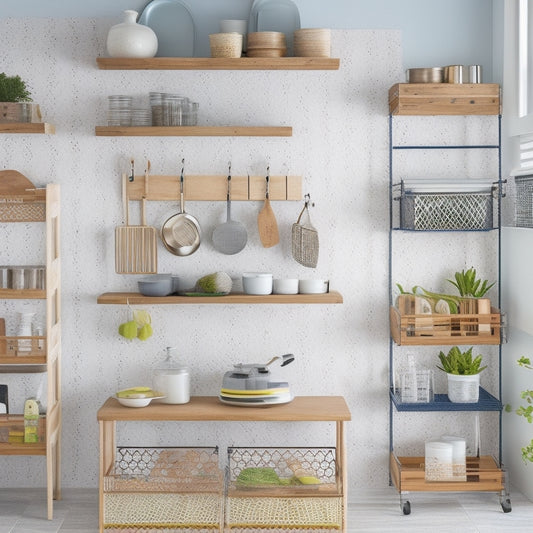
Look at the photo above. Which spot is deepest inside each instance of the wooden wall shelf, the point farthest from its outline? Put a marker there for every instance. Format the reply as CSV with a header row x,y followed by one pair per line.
x,y
213,188
218,63
193,131
22,294
124,298
27,127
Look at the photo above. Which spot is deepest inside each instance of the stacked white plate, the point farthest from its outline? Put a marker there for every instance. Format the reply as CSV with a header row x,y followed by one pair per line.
x,y
312,42
280,393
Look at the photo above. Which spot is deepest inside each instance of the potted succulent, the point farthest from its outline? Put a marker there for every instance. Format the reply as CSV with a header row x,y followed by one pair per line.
x,y
525,411
463,372
14,95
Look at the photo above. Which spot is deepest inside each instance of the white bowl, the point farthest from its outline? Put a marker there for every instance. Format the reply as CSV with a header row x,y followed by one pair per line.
x,y
313,286
285,286
257,283
134,402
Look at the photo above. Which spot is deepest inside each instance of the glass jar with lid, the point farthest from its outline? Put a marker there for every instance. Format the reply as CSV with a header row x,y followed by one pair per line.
x,y
172,379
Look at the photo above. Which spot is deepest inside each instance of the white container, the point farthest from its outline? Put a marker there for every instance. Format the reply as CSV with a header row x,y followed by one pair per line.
x,y
438,461
313,286
25,330
172,380
458,456
129,39
285,286
257,283
463,388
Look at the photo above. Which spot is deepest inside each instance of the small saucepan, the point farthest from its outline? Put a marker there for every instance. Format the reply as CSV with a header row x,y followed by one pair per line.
x,y
181,232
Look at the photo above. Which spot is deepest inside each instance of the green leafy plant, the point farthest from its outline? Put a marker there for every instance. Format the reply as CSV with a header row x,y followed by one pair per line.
x,y
13,89
525,410
469,286
460,363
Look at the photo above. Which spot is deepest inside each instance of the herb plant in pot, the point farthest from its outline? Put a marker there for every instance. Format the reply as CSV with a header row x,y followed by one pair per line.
x,y
14,98
463,372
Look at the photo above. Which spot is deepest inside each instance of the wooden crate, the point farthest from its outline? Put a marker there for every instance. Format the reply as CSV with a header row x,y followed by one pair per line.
x,y
482,474
447,330
444,99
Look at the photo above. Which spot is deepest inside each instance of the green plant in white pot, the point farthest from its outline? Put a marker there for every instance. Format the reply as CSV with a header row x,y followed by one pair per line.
x,y
463,370
14,95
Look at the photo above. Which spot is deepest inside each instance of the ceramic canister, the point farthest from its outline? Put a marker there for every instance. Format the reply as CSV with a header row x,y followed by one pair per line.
x,y
129,39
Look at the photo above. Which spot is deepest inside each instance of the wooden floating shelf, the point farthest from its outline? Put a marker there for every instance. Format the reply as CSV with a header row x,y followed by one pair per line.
x,y
193,131
218,63
445,99
213,188
27,127
135,298
22,294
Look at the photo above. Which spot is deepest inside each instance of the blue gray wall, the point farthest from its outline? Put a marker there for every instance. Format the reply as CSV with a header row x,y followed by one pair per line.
x,y
434,33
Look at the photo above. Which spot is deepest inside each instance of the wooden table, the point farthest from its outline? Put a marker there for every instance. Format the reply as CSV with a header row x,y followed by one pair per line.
x,y
210,409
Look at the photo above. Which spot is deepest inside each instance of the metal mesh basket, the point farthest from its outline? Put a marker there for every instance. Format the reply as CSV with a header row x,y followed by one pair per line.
x,y
287,506
446,211
524,201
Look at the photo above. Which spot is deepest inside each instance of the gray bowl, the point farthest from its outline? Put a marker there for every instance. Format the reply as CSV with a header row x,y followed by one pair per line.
x,y
157,285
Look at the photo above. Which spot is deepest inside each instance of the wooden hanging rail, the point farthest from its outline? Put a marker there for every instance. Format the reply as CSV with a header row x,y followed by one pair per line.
x,y
214,188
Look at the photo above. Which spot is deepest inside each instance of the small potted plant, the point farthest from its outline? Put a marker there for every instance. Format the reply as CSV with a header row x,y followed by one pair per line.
x,y
14,96
463,372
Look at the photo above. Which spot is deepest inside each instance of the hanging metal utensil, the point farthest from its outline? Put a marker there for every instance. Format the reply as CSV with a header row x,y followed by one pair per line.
x,y
230,237
266,220
181,232
305,239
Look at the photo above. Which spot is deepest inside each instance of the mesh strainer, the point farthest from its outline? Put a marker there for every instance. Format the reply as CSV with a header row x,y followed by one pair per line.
x,y
305,239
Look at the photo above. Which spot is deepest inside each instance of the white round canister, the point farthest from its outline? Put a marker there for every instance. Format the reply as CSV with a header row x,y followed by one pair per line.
x,y
172,380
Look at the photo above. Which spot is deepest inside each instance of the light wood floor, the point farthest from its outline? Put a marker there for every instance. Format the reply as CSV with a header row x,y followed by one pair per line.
x,y
374,510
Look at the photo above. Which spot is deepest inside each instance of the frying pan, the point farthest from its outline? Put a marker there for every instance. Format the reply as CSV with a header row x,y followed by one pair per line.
x,y
181,232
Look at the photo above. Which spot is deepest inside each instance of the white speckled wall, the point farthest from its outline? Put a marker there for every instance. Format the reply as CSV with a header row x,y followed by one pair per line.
x,y
339,145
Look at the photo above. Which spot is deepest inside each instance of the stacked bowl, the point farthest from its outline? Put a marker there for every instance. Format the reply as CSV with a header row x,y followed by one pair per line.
x,y
266,44
312,42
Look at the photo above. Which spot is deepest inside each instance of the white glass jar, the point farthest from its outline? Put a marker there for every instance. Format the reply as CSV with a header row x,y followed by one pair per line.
x,y
172,380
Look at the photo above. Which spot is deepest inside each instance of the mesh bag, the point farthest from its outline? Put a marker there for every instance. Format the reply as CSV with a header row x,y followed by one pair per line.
x,y
305,240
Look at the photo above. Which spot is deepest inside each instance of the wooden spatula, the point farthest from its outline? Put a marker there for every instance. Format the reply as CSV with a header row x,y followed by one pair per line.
x,y
266,221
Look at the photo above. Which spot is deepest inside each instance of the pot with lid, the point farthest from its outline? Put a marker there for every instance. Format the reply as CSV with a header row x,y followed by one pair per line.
x,y
172,379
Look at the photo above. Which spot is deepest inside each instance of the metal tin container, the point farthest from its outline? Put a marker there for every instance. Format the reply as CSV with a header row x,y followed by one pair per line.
x,y
425,75
453,74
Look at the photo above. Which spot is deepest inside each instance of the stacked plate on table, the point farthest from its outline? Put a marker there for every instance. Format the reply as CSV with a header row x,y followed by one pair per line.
x,y
276,393
266,44
312,42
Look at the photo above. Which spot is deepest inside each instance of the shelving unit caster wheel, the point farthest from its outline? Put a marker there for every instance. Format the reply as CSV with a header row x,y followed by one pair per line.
x,y
406,507
506,505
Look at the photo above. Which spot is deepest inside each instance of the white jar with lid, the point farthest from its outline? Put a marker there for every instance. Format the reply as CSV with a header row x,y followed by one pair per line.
x,y
172,380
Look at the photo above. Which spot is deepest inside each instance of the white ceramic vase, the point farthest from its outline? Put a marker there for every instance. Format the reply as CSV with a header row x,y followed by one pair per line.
x,y
129,39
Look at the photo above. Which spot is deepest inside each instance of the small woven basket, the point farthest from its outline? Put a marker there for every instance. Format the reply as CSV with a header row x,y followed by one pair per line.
x,y
225,44
305,240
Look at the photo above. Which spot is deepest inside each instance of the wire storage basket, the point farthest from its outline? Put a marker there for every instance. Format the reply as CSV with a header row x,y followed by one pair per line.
x,y
524,201
439,207
282,489
164,490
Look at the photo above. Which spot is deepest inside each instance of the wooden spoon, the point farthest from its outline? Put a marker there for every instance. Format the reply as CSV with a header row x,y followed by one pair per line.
x,y
266,221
